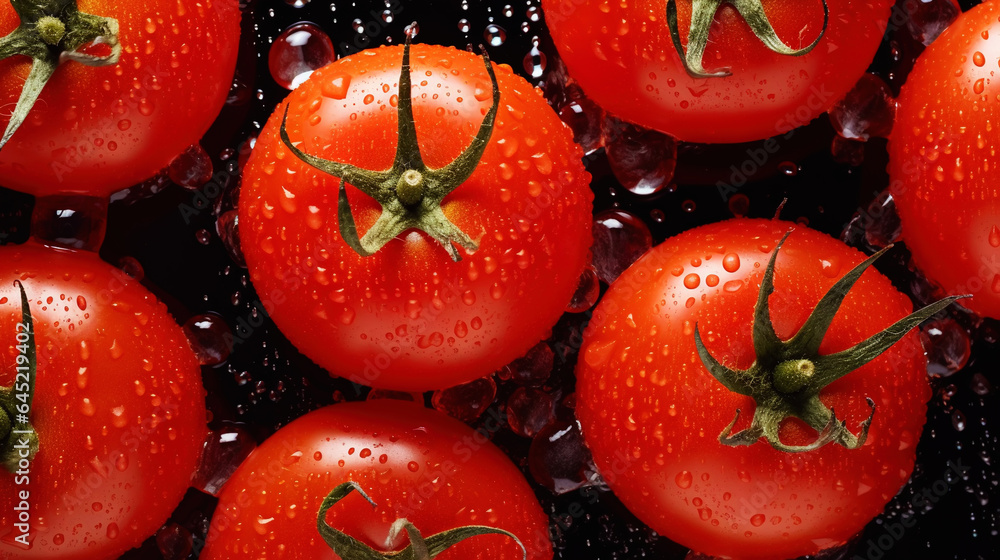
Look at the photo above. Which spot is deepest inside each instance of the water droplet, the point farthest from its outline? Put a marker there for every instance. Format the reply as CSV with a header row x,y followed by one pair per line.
x,y
297,52
683,479
495,35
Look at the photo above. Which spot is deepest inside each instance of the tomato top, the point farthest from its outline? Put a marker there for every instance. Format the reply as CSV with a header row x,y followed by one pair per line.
x,y
415,464
652,414
943,160
118,406
624,57
96,130
409,317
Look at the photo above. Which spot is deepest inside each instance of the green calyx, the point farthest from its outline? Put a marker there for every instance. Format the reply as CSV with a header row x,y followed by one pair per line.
x,y
409,192
787,376
52,31
703,13
18,439
420,548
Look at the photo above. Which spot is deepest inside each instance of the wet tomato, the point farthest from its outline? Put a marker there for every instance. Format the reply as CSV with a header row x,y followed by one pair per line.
x,y
732,83
106,120
943,160
473,240
414,463
678,348
118,408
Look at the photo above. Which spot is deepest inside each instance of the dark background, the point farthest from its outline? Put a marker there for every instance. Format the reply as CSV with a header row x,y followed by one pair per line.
x,y
266,382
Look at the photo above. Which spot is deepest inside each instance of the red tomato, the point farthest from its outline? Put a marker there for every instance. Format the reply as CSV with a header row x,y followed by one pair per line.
x,y
623,56
943,160
409,317
118,407
652,413
96,130
414,463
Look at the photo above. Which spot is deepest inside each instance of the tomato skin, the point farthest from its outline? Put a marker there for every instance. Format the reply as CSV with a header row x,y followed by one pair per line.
x,y
394,319
942,160
622,54
118,407
287,477
99,130
651,413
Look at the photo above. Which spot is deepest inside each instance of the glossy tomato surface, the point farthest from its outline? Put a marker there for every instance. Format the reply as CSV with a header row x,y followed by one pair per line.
x,y
118,407
409,317
652,414
96,130
415,463
943,160
623,56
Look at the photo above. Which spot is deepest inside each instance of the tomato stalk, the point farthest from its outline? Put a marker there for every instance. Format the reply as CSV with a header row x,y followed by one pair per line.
x,y
702,16
787,376
420,548
409,192
50,32
16,432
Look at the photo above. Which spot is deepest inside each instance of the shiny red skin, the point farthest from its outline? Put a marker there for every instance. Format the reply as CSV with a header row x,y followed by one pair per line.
x,y
651,413
943,160
99,130
623,56
118,407
413,462
408,317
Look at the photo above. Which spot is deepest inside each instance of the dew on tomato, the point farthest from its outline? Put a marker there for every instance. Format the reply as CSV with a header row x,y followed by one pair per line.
x,y
654,424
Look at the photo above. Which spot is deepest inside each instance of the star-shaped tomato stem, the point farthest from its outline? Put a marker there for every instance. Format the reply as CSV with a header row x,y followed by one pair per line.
x,y
18,439
420,548
702,16
50,32
787,376
409,192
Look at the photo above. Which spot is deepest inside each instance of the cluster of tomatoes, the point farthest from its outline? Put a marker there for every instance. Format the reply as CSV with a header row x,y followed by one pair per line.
x,y
418,221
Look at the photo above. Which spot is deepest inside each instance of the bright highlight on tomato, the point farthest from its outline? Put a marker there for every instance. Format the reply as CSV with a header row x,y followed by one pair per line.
x,y
465,242
723,72
758,444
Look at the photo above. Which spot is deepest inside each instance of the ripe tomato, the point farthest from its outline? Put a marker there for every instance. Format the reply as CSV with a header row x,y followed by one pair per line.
x,y
408,317
652,413
943,160
96,130
118,407
624,57
415,464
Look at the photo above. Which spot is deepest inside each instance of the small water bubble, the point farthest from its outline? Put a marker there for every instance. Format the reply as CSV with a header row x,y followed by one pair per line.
x,y
209,336
642,160
468,401
464,26
947,345
619,239
174,542
224,451
529,411
534,62
297,52
192,168
868,110
495,35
